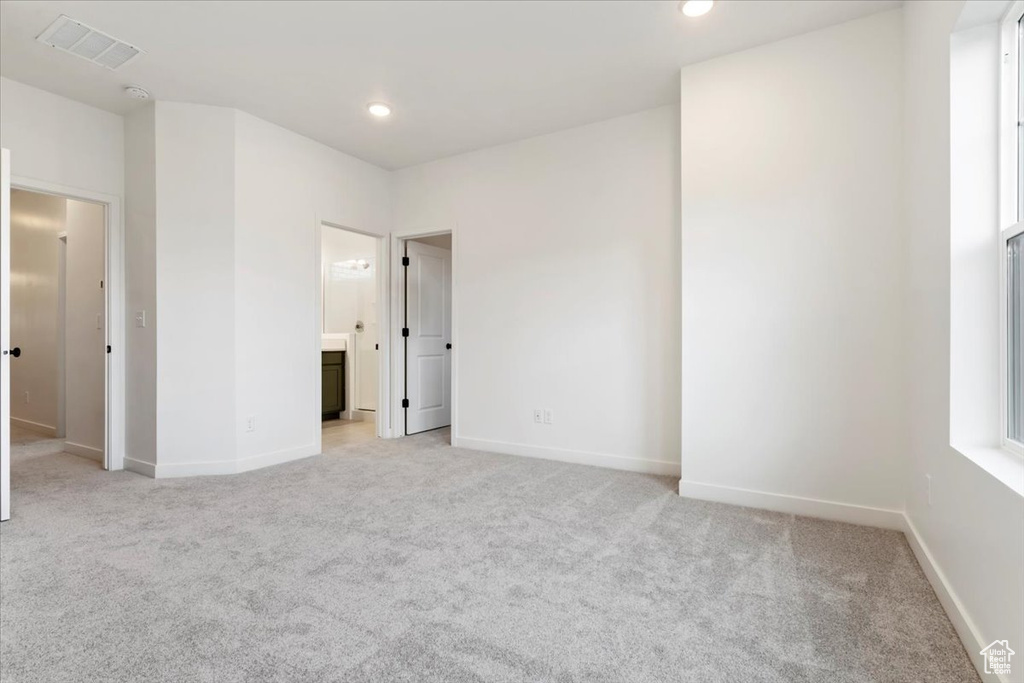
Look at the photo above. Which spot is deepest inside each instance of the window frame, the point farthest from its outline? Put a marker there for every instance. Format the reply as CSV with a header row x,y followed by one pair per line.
x,y
1011,192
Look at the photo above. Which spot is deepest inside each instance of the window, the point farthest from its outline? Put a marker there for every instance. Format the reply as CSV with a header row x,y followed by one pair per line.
x,y
1012,219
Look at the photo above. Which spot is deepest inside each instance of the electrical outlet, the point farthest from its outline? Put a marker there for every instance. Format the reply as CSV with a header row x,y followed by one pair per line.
x,y
928,484
250,423
548,416
26,397
538,416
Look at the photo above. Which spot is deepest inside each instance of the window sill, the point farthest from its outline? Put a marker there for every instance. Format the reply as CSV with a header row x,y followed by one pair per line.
x,y
1004,465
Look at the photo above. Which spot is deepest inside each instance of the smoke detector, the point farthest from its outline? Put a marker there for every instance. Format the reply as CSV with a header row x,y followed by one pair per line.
x,y
136,93
86,42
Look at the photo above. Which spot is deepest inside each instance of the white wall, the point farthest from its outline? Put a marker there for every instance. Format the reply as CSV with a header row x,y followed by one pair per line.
x,y
792,272
285,186
222,239
140,289
84,329
566,289
974,204
973,529
195,243
36,221
61,141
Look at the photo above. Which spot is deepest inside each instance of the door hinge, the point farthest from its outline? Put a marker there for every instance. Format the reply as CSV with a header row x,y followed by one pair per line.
x,y
405,403
405,331
108,348
405,260
376,347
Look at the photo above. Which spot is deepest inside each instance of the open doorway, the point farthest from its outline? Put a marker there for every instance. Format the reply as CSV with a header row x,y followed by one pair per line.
x,y
425,309
78,312
350,326
57,329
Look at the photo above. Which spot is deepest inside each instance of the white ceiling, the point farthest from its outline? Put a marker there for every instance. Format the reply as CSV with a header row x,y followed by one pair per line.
x,y
460,75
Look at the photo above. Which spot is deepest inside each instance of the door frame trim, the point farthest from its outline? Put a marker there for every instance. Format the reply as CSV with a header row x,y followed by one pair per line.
x,y
398,240
62,326
114,427
384,425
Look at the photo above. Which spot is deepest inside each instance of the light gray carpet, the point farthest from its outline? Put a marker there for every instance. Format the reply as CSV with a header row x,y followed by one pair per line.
x,y
413,561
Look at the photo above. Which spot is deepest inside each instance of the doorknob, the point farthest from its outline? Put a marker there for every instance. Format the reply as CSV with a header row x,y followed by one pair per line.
x,y
448,346
15,352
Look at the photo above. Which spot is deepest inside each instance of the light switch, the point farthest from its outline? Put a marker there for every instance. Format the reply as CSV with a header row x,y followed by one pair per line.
x,y
99,321
140,318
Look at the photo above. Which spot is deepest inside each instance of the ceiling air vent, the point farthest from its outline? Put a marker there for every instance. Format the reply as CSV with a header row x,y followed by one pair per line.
x,y
88,43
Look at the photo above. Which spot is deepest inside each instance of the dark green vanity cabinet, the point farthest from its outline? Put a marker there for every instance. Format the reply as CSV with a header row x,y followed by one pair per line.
x,y
332,389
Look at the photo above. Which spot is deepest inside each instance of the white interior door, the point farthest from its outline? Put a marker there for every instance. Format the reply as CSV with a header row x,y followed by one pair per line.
x,y
5,335
428,356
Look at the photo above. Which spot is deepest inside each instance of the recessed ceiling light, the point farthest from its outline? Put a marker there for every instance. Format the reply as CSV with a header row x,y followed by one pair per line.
x,y
378,109
136,93
696,8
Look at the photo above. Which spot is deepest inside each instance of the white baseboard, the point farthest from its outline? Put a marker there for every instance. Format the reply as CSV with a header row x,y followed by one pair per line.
x,y
965,628
194,469
142,467
35,427
794,505
256,462
363,416
615,462
84,451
